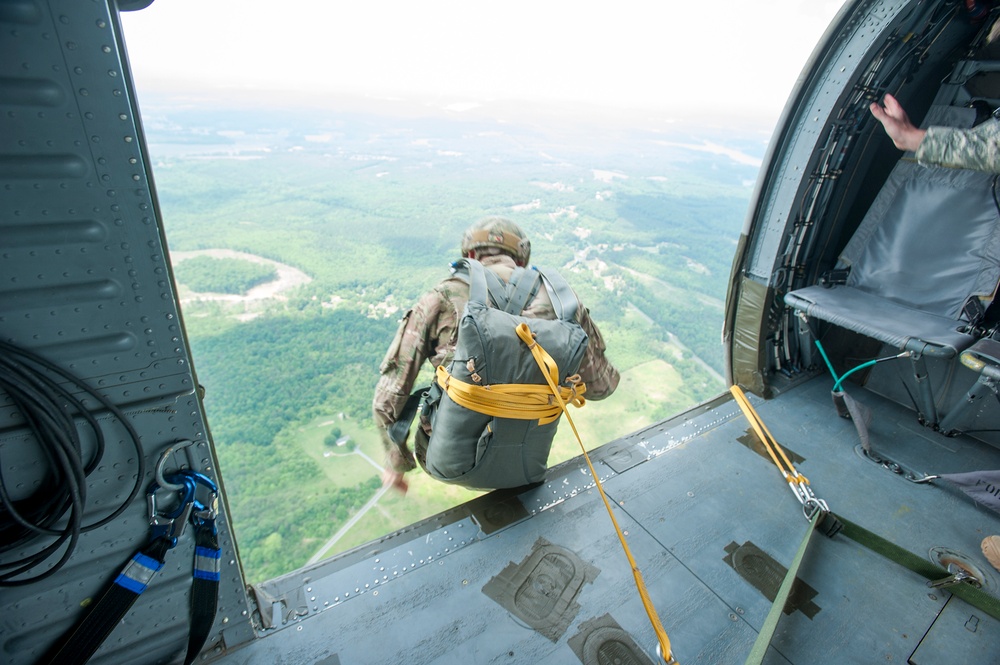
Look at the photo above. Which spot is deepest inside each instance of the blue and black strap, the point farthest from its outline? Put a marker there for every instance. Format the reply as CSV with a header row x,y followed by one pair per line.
x,y
113,605
135,577
204,587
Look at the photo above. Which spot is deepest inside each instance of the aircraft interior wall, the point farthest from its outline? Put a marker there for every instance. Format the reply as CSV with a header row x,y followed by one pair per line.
x,y
927,54
87,287
957,83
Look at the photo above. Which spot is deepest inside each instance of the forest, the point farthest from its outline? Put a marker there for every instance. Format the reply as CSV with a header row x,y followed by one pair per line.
x,y
222,275
372,209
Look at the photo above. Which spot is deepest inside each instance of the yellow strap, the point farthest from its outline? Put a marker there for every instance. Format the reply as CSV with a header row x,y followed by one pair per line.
x,y
522,401
770,443
543,359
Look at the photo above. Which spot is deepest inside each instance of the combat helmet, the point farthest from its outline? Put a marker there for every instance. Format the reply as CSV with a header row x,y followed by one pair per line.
x,y
500,233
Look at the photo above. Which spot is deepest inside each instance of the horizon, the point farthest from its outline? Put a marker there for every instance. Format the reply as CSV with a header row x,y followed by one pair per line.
x,y
634,60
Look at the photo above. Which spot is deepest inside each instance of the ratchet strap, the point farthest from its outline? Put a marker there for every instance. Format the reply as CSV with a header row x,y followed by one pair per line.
x,y
876,543
763,640
551,372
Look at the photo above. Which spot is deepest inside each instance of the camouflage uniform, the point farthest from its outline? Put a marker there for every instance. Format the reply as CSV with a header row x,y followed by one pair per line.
x,y
977,148
429,331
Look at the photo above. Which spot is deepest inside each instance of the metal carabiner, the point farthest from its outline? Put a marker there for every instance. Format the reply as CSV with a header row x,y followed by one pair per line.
x,y
958,575
813,505
171,525
204,512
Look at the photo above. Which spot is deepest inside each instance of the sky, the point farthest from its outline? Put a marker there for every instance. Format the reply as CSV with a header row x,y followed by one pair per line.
x,y
688,58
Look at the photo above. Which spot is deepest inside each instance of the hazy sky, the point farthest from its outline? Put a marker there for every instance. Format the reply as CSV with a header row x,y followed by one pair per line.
x,y
738,55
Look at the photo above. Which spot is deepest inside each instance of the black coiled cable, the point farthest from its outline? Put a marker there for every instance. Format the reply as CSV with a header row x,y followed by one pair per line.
x,y
55,510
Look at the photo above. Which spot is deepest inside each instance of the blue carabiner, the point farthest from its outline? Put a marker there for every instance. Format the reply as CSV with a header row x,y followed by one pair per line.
x,y
201,479
185,496
204,513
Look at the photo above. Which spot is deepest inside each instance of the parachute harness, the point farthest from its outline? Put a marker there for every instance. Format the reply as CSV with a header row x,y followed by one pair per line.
x,y
523,401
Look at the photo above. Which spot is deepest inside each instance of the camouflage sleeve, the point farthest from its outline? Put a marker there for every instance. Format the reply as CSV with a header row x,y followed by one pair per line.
x,y
596,370
977,149
398,372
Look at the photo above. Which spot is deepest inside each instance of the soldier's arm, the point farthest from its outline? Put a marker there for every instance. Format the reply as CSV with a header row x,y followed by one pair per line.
x,y
977,149
596,370
398,372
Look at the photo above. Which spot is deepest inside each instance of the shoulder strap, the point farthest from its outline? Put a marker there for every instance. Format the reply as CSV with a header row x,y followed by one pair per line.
x,y
483,283
497,289
524,284
563,299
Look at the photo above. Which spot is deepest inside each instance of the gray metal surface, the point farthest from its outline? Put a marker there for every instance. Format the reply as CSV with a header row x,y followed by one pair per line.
x,y
812,107
84,282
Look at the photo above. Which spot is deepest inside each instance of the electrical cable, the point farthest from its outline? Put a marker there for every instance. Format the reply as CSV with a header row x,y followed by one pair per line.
x,y
56,508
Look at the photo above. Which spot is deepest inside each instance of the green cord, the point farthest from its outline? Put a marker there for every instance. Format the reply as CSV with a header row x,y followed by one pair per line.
x,y
829,365
837,381
836,386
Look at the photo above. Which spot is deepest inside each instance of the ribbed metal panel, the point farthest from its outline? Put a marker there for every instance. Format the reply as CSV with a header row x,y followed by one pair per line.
x,y
85,282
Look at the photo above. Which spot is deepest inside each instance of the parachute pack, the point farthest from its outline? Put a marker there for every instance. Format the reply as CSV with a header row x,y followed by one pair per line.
x,y
492,412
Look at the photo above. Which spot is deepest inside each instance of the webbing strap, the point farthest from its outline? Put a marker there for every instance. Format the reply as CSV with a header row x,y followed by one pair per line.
x,y
543,358
859,534
485,285
113,605
816,511
525,284
766,633
496,286
204,588
116,601
876,543
520,401
563,298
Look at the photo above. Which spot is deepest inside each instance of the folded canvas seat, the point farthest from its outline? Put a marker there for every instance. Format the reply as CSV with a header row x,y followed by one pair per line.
x,y
928,246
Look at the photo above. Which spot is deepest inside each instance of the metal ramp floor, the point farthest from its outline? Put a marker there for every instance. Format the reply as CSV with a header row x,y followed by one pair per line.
x,y
539,576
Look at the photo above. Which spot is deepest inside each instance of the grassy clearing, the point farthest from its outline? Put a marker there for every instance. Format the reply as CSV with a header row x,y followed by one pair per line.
x,y
644,392
426,497
341,464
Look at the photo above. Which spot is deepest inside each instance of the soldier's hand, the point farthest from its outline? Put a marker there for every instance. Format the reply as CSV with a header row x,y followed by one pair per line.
x,y
394,479
904,134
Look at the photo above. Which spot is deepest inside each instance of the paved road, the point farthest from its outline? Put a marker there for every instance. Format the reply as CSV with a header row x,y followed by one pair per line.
x,y
354,519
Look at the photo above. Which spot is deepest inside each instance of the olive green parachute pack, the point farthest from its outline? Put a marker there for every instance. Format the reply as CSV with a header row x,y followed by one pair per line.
x,y
483,451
